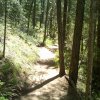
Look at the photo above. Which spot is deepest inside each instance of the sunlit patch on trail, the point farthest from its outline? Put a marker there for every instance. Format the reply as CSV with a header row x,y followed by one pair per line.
x,y
45,54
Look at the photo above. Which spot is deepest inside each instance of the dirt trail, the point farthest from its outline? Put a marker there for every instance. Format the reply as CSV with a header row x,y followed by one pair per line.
x,y
46,84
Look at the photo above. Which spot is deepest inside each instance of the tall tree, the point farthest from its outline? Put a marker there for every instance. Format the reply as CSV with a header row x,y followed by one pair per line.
x,y
68,17
90,48
51,23
29,14
46,19
61,34
42,12
73,71
5,26
34,14
97,68
64,20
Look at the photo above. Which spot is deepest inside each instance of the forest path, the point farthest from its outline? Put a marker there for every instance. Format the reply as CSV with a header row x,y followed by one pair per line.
x,y
46,83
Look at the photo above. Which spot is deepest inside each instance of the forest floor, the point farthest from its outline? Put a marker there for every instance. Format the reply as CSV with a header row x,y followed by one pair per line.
x,y
34,68
45,82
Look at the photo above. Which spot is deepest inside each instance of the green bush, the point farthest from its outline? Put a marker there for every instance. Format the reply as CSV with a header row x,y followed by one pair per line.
x,y
8,80
3,98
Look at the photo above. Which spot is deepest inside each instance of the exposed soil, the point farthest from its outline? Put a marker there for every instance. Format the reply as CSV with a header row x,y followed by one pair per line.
x,y
45,81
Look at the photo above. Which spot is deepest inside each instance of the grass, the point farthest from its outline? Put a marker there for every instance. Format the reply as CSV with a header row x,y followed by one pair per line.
x,y
3,98
21,54
18,49
8,78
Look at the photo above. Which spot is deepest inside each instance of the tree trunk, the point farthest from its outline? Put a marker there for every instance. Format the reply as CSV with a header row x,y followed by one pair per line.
x,y
42,12
5,26
50,23
60,39
46,19
96,67
90,49
73,72
98,27
98,52
69,17
28,24
34,14
64,20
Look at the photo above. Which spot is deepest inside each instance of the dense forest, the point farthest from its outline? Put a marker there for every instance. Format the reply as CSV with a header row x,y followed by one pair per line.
x,y
49,49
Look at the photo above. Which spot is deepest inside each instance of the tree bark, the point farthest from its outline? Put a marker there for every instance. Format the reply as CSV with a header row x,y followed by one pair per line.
x,y
5,28
69,17
42,12
98,48
46,19
90,49
28,24
98,27
96,67
50,23
73,71
60,39
64,20
34,15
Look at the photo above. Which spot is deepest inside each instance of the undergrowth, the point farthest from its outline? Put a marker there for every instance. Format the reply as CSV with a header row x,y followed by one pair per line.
x,y
21,54
8,79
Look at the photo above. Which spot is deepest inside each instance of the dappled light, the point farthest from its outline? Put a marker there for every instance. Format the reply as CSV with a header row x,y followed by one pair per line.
x,y
49,50
52,89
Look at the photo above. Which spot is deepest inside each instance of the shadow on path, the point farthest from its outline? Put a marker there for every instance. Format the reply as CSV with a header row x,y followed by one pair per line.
x,y
48,63
26,91
46,83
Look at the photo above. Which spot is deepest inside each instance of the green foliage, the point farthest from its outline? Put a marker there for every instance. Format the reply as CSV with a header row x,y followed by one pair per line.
x,y
20,48
56,59
3,98
15,11
1,8
20,53
8,79
96,96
